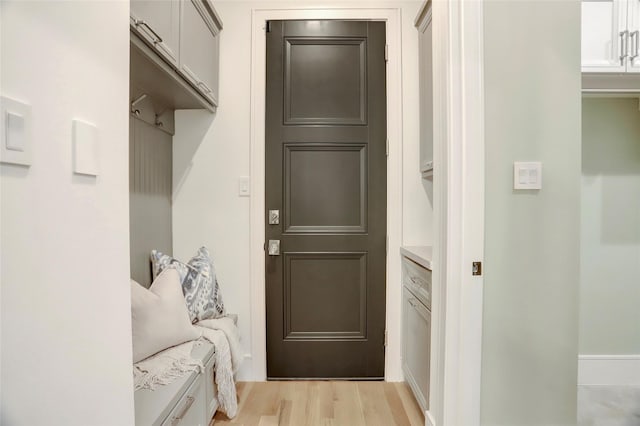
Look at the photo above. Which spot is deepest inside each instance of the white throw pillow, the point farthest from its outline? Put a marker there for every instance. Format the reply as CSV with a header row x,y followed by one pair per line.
x,y
159,316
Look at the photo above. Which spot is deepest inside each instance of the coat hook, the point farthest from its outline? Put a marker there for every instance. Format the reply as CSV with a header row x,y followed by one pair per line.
x,y
139,99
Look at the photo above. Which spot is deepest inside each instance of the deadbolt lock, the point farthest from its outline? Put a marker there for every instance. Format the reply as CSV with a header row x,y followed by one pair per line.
x,y
274,217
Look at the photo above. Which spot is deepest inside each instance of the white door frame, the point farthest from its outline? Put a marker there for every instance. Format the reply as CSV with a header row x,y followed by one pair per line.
x,y
392,17
458,198
458,212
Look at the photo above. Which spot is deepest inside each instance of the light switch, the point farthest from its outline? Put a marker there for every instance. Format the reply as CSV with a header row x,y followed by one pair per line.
x,y
244,186
527,175
85,148
523,176
15,147
15,132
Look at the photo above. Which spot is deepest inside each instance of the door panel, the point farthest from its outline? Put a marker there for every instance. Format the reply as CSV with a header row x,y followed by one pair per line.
x,y
326,174
312,310
314,92
332,176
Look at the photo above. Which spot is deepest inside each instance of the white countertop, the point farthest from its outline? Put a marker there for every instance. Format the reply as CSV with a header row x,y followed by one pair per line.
x,y
422,255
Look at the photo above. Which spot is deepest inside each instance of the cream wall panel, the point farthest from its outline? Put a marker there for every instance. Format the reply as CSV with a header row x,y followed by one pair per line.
x,y
531,287
65,292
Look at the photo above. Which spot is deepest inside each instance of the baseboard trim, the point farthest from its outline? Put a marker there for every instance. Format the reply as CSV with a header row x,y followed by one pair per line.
x,y
429,420
617,370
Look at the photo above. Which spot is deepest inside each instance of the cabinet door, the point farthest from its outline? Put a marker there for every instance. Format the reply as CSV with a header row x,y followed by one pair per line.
x,y
426,95
633,21
199,49
157,23
416,347
603,45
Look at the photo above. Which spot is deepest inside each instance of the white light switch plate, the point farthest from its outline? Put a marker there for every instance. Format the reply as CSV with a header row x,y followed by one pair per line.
x,y
527,175
244,186
15,139
85,149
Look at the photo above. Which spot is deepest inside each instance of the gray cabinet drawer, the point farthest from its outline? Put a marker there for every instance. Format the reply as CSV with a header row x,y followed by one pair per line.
x,y
418,280
160,406
190,410
416,346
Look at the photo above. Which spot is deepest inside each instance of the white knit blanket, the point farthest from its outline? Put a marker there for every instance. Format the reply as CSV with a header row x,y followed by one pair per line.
x,y
224,335
170,364
165,367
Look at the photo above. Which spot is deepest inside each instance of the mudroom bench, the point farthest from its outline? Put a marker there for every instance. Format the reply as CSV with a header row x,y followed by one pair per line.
x,y
190,400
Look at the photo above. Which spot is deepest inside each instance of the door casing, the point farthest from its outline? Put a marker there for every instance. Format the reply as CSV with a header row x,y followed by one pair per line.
x,y
393,370
459,146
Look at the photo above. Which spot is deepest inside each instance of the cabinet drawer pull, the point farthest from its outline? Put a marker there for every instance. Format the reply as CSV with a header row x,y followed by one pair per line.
x,y
624,45
141,22
421,310
177,419
204,87
635,38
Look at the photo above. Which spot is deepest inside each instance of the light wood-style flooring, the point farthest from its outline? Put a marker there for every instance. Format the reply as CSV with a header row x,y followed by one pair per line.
x,y
324,403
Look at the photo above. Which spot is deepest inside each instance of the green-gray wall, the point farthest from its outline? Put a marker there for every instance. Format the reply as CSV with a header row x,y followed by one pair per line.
x,y
610,244
533,113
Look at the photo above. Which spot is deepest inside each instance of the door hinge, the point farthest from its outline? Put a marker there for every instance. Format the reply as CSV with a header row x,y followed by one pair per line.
x,y
387,151
386,53
268,27
386,339
476,269
387,244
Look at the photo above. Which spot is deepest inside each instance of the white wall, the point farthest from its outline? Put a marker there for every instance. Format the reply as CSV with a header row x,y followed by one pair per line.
x,y
65,293
610,243
211,153
530,323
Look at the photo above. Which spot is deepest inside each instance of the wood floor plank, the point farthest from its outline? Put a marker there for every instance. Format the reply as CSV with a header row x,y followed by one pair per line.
x,y
347,405
375,407
284,418
395,404
324,403
411,407
268,421
326,400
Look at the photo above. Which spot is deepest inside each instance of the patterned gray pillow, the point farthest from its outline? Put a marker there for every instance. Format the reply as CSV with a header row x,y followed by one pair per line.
x,y
199,284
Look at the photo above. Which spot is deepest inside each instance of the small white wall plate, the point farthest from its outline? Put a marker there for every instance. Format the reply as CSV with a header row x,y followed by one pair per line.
x,y
85,149
527,175
15,134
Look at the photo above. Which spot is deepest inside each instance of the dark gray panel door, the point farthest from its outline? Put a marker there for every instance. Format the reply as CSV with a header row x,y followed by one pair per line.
x,y
326,174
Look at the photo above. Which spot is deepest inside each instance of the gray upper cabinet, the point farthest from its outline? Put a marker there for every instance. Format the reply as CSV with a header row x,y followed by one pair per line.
x,y
157,23
175,49
200,47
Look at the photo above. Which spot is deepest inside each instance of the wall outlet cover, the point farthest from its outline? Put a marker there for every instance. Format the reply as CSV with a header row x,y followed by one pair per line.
x,y
15,133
